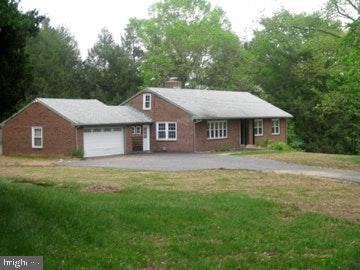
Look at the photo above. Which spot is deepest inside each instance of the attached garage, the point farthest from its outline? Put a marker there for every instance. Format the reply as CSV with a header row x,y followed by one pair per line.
x,y
103,141
52,126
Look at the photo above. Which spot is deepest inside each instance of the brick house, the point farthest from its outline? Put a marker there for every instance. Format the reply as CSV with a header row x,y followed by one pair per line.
x,y
153,120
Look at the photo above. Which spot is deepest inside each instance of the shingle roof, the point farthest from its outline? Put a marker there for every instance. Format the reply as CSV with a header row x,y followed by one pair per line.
x,y
85,112
214,104
93,112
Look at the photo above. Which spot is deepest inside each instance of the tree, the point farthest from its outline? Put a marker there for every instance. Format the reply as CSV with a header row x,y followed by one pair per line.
x,y
110,72
340,108
131,44
346,9
191,40
15,74
293,56
56,63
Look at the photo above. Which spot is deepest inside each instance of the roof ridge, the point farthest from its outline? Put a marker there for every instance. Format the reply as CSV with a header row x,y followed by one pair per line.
x,y
39,98
194,89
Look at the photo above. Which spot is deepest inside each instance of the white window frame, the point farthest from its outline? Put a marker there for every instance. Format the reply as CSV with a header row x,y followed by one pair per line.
x,y
33,138
217,129
146,102
136,130
257,127
274,127
166,131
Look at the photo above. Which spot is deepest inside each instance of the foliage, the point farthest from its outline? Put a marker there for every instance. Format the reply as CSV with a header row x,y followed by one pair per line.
x,y
280,146
56,64
77,153
295,56
15,73
110,72
293,139
191,40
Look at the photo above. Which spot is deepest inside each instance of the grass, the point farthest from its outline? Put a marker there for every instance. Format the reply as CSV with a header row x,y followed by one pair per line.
x,y
89,218
347,162
157,229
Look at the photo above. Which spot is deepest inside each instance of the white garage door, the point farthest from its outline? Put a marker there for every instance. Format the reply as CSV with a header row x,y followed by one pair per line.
x,y
104,141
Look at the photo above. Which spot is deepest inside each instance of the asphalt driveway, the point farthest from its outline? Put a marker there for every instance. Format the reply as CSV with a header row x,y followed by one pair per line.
x,y
202,161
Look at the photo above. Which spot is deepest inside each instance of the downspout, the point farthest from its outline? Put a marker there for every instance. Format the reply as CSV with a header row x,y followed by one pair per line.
x,y
76,138
194,134
194,138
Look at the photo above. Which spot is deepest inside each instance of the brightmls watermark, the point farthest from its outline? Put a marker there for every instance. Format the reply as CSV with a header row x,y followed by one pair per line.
x,y
21,262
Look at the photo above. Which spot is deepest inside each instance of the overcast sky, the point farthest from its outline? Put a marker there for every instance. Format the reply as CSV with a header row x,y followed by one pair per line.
x,y
85,18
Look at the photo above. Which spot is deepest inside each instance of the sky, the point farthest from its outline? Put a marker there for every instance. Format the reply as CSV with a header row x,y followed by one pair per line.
x,y
85,18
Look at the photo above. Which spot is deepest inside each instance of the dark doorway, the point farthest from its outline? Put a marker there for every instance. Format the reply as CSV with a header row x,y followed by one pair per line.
x,y
244,125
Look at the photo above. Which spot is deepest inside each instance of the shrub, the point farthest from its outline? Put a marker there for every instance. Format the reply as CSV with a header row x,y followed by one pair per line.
x,y
293,139
78,153
280,146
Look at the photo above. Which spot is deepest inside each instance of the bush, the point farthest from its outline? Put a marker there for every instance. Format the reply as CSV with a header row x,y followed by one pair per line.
x,y
280,146
78,153
293,139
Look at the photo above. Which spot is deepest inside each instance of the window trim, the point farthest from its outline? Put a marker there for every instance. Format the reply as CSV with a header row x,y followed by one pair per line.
x,y
33,137
278,126
257,128
136,130
208,130
145,95
166,131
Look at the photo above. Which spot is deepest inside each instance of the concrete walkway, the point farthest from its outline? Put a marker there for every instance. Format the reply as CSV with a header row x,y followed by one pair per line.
x,y
202,161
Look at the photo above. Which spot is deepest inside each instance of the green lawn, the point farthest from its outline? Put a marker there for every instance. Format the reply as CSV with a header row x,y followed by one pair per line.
x,y
347,162
160,229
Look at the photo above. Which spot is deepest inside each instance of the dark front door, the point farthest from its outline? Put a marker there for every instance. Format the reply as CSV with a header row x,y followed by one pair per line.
x,y
244,131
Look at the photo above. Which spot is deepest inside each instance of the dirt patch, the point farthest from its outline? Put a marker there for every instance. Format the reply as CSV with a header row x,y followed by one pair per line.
x,y
27,161
103,188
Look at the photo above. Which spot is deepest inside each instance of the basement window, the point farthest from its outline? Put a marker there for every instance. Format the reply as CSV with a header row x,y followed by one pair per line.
x,y
258,127
166,131
37,137
217,129
146,101
275,128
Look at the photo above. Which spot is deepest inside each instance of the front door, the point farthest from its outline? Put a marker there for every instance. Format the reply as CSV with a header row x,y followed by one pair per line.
x,y
146,138
244,131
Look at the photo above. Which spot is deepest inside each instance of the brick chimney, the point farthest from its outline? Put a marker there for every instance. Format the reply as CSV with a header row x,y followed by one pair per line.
x,y
173,82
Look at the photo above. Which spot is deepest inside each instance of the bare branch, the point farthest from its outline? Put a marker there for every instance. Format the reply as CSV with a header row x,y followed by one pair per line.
x,y
342,12
351,3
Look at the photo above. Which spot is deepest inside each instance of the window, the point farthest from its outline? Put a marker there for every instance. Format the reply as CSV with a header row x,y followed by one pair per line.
x,y
107,129
136,130
275,128
37,137
217,129
146,101
258,127
166,131
87,130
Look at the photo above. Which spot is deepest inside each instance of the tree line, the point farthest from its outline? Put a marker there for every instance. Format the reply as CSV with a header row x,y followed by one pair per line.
x,y
307,64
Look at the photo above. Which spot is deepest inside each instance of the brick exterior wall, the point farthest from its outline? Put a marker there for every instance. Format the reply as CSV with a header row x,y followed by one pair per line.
x,y
163,111
132,140
231,142
267,125
59,136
